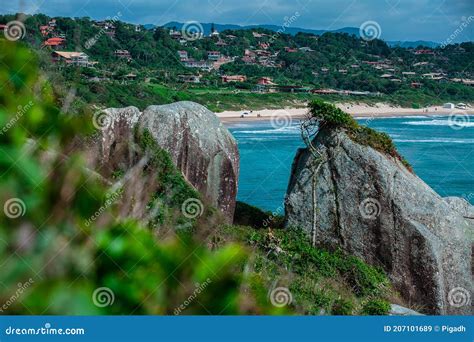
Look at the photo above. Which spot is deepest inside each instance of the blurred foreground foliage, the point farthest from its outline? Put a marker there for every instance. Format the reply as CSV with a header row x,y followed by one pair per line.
x,y
54,259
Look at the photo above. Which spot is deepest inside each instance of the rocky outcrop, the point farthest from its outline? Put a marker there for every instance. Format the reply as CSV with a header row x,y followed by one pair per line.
x,y
199,145
371,206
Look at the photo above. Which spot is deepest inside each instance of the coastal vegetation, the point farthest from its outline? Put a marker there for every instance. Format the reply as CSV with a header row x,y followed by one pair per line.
x,y
330,117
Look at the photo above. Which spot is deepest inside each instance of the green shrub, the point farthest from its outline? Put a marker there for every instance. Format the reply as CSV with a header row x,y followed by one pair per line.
x,y
376,307
331,117
342,307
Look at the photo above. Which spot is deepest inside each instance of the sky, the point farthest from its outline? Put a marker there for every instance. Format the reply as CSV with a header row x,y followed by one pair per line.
x,y
405,20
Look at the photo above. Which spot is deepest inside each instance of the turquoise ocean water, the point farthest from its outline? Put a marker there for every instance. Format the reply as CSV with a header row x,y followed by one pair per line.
x,y
440,153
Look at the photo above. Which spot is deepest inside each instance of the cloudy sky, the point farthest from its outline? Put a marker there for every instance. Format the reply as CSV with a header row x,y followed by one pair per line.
x,y
399,19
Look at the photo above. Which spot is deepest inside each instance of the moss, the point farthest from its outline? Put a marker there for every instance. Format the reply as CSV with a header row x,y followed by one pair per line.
x,y
376,307
331,117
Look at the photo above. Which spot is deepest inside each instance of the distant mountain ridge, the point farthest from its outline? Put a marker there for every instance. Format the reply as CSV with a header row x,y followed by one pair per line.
x,y
294,30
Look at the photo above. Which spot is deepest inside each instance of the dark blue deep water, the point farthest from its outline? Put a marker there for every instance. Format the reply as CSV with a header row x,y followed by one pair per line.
x,y
440,153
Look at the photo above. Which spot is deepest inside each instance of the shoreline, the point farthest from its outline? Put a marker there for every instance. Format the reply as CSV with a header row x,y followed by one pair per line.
x,y
379,110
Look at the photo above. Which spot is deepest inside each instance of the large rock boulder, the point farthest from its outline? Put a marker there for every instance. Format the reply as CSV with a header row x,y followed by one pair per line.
x,y
371,206
200,146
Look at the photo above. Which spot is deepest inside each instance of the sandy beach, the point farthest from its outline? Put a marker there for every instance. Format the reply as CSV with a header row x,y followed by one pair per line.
x,y
357,110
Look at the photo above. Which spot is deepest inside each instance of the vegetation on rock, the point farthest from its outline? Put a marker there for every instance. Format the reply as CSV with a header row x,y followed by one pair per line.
x,y
331,117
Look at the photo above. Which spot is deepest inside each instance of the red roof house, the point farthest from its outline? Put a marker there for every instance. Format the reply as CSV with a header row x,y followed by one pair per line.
x,y
55,42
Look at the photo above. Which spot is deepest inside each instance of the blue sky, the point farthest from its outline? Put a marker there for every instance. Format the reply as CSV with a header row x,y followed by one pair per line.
x,y
399,19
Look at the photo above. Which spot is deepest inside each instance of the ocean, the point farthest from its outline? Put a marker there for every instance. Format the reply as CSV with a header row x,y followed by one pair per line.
x,y
442,154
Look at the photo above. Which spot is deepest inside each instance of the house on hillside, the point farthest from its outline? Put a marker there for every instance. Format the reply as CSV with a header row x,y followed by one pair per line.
x,y
176,35
424,52
123,54
233,78
203,65
183,55
71,58
189,78
45,29
52,24
265,81
213,55
434,76
55,42
290,50
306,49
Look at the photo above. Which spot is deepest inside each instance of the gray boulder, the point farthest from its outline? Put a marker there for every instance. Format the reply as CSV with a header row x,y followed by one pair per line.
x,y
371,206
397,310
200,146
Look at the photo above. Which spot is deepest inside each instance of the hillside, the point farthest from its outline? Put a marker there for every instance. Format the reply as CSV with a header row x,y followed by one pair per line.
x,y
130,65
